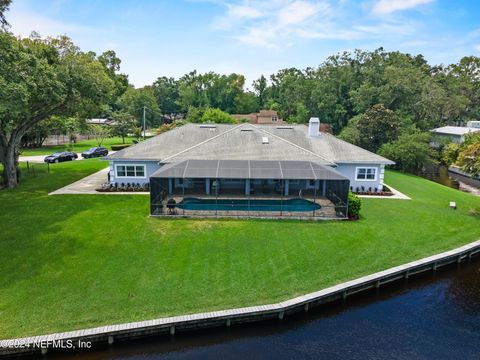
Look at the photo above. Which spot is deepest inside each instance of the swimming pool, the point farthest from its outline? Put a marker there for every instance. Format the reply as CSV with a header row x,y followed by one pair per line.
x,y
243,205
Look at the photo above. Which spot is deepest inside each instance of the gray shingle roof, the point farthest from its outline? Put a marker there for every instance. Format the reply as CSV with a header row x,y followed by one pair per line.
x,y
246,142
454,130
248,169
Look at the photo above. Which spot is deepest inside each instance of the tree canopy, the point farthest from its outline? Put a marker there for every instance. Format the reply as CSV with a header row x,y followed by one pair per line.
x,y
40,78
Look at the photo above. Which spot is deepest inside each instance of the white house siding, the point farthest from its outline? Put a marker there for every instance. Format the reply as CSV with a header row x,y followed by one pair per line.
x,y
349,170
150,168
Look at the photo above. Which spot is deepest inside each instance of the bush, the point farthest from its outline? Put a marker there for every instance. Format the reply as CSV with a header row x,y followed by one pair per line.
x,y
354,205
119,147
217,116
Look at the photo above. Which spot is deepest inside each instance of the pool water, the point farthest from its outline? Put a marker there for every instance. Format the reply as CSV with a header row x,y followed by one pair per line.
x,y
243,205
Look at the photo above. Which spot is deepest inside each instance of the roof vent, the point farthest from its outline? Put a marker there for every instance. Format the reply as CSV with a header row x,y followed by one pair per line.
x,y
246,129
208,126
264,140
285,127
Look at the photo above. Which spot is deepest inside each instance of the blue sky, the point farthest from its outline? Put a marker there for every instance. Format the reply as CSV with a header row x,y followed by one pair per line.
x,y
171,37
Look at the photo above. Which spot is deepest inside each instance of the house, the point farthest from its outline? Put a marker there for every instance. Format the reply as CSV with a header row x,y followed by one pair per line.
x,y
262,117
456,134
98,121
249,169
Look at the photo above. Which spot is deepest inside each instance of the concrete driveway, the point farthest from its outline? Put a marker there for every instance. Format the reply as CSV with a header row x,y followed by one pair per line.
x,y
88,184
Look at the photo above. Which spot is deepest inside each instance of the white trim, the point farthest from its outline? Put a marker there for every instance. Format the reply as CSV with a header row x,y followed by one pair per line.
x,y
131,164
366,167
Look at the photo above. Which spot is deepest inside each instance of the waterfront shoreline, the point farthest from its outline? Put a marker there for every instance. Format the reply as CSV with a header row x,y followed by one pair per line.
x,y
111,333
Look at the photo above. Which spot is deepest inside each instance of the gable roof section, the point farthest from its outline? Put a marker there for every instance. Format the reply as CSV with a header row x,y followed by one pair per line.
x,y
454,130
169,143
247,142
326,145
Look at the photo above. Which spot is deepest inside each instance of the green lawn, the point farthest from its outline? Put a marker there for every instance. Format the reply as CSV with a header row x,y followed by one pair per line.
x,y
75,261
78,147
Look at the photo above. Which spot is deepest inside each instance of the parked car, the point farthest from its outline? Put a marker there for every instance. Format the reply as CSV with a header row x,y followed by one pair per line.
x,y
61,156
95,152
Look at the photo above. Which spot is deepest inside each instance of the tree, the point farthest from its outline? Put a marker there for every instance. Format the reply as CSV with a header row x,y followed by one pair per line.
x,y
301,114
411,152
217,116
261,87
4,5
450,153
40,78
166,92
469,159
99,133
124,124
246,103
376,127
133,102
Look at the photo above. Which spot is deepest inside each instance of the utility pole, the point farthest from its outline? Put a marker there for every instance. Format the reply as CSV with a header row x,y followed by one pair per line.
x,y
144,123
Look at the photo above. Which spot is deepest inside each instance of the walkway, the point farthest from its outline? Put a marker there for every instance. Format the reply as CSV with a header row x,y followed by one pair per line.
x,y
396,195
88,184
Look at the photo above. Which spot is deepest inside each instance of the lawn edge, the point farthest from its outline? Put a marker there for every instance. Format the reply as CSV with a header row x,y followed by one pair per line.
x,y
137,329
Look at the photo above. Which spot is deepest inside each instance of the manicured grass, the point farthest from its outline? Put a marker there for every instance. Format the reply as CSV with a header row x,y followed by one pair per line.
x,y
76,261
77,147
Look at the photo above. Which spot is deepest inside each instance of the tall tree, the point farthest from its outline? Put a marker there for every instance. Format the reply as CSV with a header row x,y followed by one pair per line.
x,y
166,92
376,127
4,5
133,102
40,78
260,86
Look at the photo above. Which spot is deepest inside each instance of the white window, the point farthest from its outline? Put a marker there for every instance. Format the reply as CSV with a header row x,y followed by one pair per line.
x,y
133,170
274,118
366,174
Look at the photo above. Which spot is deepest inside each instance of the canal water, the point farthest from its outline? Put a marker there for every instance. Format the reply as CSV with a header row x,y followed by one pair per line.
x,y
436,316
441,175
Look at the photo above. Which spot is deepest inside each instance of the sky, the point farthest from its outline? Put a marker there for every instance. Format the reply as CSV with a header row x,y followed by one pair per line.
x,y
156,38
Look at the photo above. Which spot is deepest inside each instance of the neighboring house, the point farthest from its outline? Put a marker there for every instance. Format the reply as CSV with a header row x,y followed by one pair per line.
x,y
456,134
262,117
262,161
95,121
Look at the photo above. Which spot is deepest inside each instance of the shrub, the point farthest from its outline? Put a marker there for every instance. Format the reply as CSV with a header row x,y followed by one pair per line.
x,y
217,116
354,205
119,147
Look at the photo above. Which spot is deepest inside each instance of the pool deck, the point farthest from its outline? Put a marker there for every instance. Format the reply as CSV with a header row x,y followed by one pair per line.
x,y
326,211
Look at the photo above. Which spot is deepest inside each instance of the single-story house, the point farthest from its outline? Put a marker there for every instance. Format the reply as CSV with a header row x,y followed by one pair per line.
x,y
457,134
98,121
292,170
262,117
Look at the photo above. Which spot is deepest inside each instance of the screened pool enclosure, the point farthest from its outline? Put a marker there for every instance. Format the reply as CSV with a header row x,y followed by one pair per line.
x,y
248,188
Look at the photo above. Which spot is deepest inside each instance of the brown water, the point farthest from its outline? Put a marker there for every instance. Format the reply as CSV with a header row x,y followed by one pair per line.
x,y
433,317
442,176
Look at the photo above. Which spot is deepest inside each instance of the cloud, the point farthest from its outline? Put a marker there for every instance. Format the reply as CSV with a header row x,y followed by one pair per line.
x,y
244,11
276,24
24,22
383,7
300,11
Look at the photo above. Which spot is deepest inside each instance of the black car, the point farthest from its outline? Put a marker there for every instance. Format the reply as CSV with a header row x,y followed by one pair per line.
x,y
61,156
95,152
